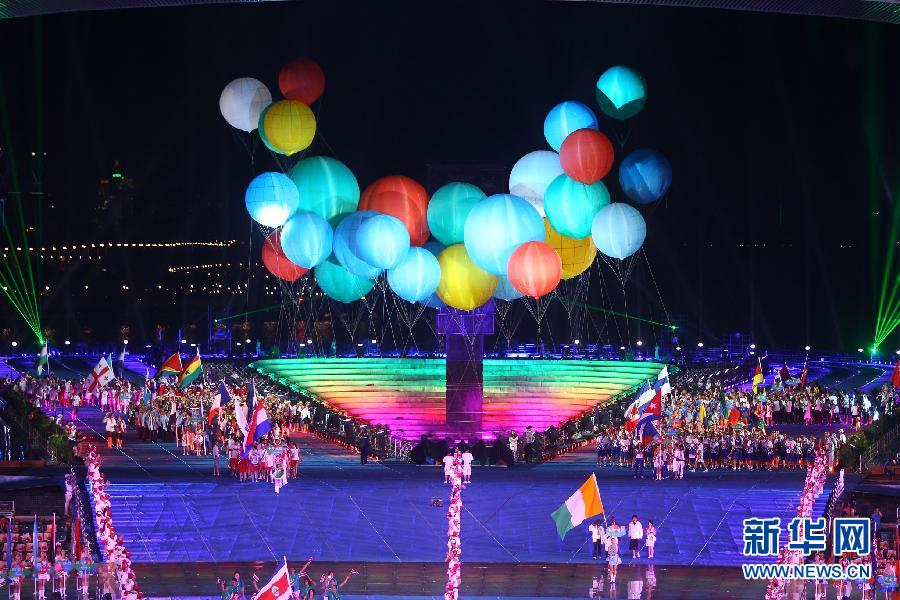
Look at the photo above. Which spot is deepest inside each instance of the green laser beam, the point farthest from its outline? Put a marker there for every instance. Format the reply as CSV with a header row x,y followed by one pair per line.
x,y
615,313
249,312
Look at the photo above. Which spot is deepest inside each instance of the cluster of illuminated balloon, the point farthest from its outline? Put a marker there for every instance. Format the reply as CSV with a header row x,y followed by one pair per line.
x,y
548,228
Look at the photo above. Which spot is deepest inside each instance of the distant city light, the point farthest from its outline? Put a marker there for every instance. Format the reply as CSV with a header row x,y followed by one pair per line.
x,y
577,342
247,341
753,346
678,348
806,348
640,343
14,344
699,344
125,342
859,349
184,341
67,342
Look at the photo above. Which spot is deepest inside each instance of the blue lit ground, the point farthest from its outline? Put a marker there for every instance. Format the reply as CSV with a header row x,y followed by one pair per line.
x,y
184,527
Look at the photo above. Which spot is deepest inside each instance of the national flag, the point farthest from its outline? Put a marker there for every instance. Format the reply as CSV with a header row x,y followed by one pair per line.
x,y
662,381
757,377
191,372
785,374
35,559
9,528
895,378
648,433
583,504
803,376
633,412
243,412
43,361
734,416
172,366
221,398
100,376
259,424
279,587
652,411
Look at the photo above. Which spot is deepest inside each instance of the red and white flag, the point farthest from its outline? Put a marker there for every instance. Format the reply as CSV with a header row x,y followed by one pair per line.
x,y
278,588
100,376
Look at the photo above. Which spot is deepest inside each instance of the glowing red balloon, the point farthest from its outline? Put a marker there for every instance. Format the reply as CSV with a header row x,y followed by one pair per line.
x,y
276,262
302,79
534,269
586,155
403,198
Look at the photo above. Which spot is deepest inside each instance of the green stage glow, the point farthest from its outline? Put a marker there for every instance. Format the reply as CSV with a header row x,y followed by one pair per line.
x,y
616,313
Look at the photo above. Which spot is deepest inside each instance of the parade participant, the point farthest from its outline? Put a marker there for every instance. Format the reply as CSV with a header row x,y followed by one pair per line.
x,y
331,589
613,559
598,533
294,459
635,535
302,586
279,472
514,445
216,453
448,466
42,569
651,538
467,459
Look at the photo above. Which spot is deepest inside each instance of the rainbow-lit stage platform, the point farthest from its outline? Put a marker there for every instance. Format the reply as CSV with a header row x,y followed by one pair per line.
x,y
409,394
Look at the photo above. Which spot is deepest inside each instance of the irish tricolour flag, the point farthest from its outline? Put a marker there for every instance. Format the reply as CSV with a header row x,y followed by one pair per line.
x,y
583,504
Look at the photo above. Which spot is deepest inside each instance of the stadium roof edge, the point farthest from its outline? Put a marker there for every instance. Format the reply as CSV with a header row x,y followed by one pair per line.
x,y
886,11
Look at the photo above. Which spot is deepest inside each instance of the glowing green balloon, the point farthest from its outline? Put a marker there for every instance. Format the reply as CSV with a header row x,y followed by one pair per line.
x,y
340,284
571,205
448,209
621,92
327,187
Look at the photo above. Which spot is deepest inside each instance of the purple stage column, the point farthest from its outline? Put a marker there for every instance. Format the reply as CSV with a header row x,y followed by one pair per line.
x,y
465,331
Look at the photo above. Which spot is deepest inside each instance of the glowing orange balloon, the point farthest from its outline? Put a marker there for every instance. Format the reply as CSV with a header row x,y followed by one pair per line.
x,y
534,269
403,198
276,262
302,79
586,155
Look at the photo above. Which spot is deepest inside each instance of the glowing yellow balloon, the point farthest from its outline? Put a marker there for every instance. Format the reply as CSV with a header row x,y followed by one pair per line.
x,y
289,126
576,255
464,285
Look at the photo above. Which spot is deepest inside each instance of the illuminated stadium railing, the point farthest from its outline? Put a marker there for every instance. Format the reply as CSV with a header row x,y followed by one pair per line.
x,y
408,394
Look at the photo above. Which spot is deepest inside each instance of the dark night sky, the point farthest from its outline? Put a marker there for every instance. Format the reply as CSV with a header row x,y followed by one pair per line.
x,y
762,116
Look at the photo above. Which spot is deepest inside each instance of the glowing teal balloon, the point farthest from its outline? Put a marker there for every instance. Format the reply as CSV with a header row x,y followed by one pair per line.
x,y
505,289
417,277
306,239
571,205
382,241
621,92
271,198
326,186
497,226
531,175
618,230
340,284
435,247
645,175
566,117
448,209
346,248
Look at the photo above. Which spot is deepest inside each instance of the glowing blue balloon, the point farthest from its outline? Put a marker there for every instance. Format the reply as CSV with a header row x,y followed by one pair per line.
x,y
435,248
645,175
327,187
306,239
531,175
566,117
382,241
346,248
505,289
621,92
497,226
448,209
340,284
572,205
417,277
618,230
271,198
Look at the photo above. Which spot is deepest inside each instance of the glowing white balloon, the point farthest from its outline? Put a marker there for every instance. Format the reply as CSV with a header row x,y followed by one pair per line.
x,y
531,175
242,101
